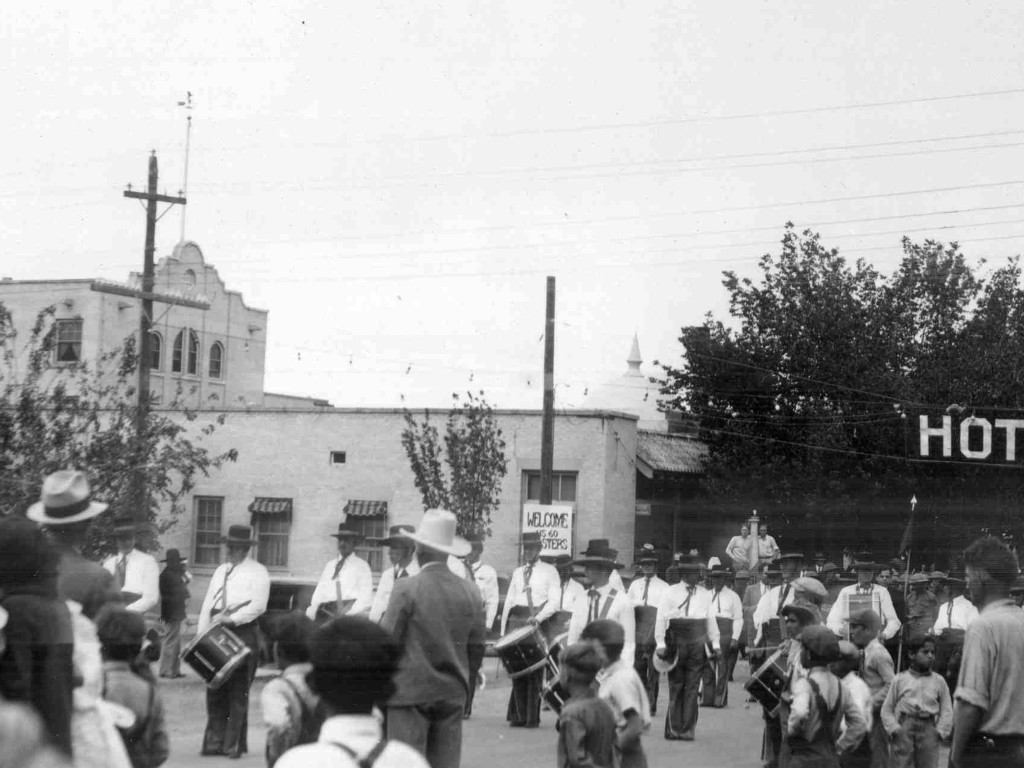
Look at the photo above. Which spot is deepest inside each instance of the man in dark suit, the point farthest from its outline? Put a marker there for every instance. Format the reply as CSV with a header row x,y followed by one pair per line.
x,y
438,619
173,598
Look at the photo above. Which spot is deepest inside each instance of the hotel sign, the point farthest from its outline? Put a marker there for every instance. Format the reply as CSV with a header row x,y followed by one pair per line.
x,y
989,438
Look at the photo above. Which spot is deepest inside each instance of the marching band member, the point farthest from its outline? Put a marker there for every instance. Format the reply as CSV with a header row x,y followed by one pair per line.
x,y
531,599
347,579
137,572
955,616
486,579
602,600
645,593
866,592
686,625
570,590
727,608
402,554
236,598
788,566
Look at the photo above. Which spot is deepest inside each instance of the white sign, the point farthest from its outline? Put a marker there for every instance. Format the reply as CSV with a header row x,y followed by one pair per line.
x,y
554,524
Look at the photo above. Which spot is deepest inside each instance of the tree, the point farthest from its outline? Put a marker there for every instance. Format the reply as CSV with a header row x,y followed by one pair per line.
x,y
76,416
805,394
474,454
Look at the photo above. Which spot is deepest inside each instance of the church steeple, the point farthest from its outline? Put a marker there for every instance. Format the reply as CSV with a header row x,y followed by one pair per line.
x,y
634,359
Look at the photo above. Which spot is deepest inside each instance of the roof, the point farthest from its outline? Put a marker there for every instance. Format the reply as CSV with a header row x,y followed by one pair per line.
x,y
671,454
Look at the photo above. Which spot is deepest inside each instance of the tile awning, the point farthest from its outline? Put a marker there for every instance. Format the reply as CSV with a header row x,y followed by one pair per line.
x,y
361,508
669,454
263,506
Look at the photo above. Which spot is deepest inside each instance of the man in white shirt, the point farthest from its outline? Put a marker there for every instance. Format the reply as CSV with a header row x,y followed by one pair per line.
x,y
645,593
346,583
955,616
780,595
486,579
402,554
767,550
603,601
865,596
738,548
727,609
236,598
137,573
687,626
569,591
532,597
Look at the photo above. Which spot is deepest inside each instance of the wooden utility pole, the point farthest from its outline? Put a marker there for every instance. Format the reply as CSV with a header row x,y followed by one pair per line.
x,y
146,318
547,433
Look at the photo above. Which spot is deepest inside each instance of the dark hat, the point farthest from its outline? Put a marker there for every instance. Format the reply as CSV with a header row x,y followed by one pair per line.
x,y
354,644
845,578
828,567
864,565
790,556
596,555
719,570
772,570
867,619
124,526
397,536
956,580
531,539
689,564
646,554
347,533
559,561
173,557
819,555
743,574
238,534
937,576
821,642
598,547
805,613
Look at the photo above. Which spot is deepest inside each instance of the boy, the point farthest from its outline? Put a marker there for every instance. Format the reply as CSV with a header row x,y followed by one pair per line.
x,y
845,669
918,711
877,671
121,633
353,663
621,686
290,709
586,726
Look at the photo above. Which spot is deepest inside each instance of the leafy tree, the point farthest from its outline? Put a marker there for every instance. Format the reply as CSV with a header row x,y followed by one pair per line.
x,y
77,416
465,475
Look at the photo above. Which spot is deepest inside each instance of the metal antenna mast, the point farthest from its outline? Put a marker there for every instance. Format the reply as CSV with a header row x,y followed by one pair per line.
x,y
187,104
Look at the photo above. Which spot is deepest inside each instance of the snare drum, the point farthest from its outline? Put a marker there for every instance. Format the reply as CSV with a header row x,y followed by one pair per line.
x,y
768,683
555,695
645,617
216,654
523,650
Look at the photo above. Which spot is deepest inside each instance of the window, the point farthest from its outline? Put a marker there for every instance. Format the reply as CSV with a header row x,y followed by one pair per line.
x,y
68,337
563,486
209,516
337,457
216,360
272,540
156,350
370,527
183,359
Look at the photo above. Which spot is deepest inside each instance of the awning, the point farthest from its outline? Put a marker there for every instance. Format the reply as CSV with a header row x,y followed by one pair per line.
x,y
669,454
360,508
264,507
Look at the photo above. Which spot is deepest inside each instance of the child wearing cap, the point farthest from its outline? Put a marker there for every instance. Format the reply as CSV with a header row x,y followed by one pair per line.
x,y
877,671
845,668
621,686
121,633
291,711
586,726
917,711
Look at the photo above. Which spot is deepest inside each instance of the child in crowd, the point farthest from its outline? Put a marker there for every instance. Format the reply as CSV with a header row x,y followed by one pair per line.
x,y
121,633
846,670
290,710
586,726
917,711
353,662
620,685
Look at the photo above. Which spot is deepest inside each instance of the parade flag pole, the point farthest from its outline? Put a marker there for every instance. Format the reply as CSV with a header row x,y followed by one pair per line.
x,y
905,547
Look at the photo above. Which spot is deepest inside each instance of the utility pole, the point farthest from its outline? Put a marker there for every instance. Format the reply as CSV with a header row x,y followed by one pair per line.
x,y
146,318
547,433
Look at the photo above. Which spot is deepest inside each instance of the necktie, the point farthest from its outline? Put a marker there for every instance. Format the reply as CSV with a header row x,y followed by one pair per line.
x,y
949,615
647,587
594,595
224,589
337,568
561,599
686,603
469,571
526,585
782,598
122,570
718,601
402,574
861,670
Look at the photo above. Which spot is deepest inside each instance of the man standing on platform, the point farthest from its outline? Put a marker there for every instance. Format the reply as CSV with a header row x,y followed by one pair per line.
x,y
868,596
767,549
685,625
402,554
603,600
645,593
727,608
346,584
137,573
532,597
738,548
236,598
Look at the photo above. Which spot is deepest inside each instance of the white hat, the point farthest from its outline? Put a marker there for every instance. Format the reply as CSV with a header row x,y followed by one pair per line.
x,y
3,618
65,499
437,531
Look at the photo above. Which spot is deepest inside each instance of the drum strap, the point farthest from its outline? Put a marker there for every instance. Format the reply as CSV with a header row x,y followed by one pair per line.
x,y
608,603
527,573
367,760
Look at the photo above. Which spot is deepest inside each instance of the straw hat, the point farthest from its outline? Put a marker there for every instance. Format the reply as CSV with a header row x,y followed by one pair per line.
x,y
66,498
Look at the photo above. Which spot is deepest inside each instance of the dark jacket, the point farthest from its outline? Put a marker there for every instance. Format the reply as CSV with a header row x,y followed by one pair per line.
x,y
437,617
37,667
86,582
173,594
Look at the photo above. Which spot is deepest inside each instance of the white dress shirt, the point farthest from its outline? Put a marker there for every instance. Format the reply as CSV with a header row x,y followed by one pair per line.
x,y
768,607
360,734
655,591
486,579
616,581
738,549
387,584
568,593
838,617
611,604
355,579
544,587
142,576
726,604
958,613
683,602
248,582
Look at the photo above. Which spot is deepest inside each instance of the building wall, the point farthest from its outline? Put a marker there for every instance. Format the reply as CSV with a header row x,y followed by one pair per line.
x,y
287,455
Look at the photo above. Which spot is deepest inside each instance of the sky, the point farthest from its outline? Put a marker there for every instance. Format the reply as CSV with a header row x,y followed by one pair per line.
x,y
394,181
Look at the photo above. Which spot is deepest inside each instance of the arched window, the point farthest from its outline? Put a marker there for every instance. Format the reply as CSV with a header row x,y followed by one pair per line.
x,y
156,350
216,360
183,359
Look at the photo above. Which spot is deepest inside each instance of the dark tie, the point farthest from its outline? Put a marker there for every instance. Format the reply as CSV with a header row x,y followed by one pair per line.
x,y
122,570
337,568
718,601
686,603
224,589
949,614
402,574
526,585
647,587
594,595
469,571
782,598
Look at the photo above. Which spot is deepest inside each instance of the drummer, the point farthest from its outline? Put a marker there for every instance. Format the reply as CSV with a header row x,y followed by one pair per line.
x,y
781,575
346,583
236,598
645,593
955,616
685,626
867,596
569,592
727,608
602,600
532,598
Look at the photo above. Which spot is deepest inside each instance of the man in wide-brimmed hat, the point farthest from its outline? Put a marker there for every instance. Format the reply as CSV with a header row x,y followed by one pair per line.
x,y
645,593
922,607
137,573
346,582
237,597
532,598
438,618
864,595
173,599
402,554
781,573
727,608
954,617
602,600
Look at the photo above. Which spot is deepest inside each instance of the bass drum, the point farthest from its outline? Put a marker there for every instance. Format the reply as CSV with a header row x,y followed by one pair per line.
x,y
768,683
215,655
523,650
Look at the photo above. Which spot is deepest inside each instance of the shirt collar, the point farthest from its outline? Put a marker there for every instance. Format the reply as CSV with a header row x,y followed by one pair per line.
x,y
999,605
340,728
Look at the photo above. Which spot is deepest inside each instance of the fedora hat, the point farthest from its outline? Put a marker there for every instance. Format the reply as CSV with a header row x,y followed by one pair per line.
x,y
173,557
598,547
719,570
790,556
647,554
437,531
531,539
65,498
238,534
346,533
124,526
397,535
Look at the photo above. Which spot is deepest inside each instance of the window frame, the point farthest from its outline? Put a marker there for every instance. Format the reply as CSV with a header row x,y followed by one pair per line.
x,y
156,350
219,357
185,360
198,558
371,527
267,536
557,486
66,322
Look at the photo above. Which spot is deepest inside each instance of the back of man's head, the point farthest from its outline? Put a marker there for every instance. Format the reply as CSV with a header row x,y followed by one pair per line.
x,y
609,634
991,555
353,661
